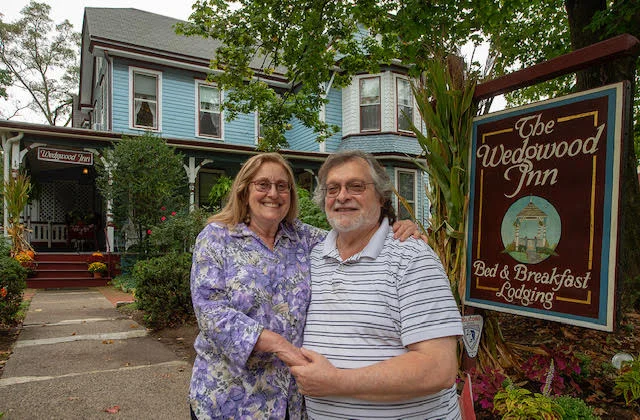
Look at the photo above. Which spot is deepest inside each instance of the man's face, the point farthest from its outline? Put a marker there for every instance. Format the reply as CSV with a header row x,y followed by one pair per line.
x,y
349,212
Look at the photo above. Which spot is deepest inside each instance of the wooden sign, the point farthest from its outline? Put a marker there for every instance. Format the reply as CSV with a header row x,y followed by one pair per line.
x,y
65,156
543,214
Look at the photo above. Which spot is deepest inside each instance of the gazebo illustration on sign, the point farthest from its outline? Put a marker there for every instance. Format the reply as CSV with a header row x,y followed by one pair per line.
x,y
527,237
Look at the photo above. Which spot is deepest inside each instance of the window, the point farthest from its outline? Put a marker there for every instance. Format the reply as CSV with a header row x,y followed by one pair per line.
x,y
404,99
406,187
370,104
145,99
209,117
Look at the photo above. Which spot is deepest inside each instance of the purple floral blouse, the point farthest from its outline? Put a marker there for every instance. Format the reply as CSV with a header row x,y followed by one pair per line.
x,y
239,287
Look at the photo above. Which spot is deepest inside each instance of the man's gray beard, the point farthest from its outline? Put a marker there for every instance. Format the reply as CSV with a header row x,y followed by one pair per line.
x,y
354,224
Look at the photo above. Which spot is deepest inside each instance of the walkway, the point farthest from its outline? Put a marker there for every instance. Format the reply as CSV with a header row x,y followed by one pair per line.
x,y
78,357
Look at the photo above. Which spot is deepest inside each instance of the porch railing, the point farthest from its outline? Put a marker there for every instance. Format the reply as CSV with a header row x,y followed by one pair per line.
x,y
48,232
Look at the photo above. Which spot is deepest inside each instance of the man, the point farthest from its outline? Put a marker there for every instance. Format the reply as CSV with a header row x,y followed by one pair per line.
x,y
382,325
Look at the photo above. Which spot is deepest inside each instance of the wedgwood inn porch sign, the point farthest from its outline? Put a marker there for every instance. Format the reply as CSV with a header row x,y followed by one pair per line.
x,y
65,156
543,214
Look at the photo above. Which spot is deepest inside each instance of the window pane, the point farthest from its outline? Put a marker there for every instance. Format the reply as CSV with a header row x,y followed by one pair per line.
x,y
404,92
210,123
405,118
144,86
370,117
406,185
209,98
369,91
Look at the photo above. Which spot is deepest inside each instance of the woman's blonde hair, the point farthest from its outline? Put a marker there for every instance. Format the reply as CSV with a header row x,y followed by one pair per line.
x,y
237,208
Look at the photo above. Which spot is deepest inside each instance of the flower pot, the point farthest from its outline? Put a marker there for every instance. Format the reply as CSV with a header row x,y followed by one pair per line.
x,y
97,275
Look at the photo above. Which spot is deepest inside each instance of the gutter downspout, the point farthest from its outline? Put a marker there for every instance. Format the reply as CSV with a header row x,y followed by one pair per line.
x,y
7,145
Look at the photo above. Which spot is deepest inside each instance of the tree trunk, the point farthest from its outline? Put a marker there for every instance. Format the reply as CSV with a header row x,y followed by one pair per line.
x,y
580,13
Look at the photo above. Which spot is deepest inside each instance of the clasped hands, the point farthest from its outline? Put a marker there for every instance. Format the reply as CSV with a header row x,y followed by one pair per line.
x,y
314,373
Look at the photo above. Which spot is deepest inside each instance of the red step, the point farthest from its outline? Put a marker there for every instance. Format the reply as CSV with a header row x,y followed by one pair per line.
x,y
62,270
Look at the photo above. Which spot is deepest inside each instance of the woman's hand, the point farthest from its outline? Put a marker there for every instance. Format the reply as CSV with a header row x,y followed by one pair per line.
x,y
271,342
404,229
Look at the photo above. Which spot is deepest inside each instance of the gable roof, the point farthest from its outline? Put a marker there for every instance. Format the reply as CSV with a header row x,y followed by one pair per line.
x,y
128,26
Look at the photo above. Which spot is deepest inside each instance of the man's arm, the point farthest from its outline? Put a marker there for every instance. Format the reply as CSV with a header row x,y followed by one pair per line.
x,y
427,368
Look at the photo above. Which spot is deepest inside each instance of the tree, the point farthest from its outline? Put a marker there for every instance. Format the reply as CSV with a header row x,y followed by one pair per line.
x,y
41,60
144,177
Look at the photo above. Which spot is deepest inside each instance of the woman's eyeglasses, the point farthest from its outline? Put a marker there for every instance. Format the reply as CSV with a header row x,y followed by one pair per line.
x,y
353,188
262,185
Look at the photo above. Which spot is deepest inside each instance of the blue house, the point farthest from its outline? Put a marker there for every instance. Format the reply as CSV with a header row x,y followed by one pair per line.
x,y
138,75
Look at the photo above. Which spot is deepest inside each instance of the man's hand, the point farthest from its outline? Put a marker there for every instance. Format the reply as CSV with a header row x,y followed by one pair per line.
x,y
317,378
271,342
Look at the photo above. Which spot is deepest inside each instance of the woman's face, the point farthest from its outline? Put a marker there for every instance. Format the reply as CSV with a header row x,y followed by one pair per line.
x,y
267,209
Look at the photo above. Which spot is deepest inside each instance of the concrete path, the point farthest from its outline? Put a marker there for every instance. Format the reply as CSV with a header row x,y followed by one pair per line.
x,y
79,358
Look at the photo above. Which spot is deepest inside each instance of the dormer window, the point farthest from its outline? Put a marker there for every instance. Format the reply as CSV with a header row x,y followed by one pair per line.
x,y
146,91
370,104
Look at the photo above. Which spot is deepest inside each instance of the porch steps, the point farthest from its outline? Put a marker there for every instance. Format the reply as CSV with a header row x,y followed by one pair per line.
x,y
63,270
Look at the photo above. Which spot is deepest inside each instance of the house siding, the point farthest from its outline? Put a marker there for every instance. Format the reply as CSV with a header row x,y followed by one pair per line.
x,y
178,107
301,137
334,116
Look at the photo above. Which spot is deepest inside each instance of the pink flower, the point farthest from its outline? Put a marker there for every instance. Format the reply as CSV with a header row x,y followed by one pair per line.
x,y
163,218
173,213
163,208
148,231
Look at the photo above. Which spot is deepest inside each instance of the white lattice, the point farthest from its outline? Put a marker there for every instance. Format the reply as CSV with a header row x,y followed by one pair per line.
x,y
59,198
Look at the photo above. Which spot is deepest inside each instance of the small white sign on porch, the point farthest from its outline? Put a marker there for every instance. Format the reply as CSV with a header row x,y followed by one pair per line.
x,y
65,156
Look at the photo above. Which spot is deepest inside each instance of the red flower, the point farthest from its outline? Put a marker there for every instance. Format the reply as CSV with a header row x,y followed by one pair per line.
x,y
163,218
148,231
3,292
163,208
173,213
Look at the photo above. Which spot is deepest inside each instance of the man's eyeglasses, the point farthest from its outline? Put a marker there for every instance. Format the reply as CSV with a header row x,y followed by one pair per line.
x,y
353,188
263,185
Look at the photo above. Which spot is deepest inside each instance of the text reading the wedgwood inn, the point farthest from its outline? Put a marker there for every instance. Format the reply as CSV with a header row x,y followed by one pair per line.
x,y
543,209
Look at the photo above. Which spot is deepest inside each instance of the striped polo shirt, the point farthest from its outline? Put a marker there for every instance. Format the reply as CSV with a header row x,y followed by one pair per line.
x,y
368,308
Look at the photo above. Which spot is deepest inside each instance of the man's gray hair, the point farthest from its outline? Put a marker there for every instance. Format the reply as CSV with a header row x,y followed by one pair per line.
x,y
380,178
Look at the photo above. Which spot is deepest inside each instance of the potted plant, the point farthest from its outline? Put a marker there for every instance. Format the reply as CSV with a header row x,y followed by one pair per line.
x,y
97,268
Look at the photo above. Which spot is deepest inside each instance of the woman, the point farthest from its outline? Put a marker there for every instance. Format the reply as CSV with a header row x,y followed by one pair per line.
x,y
250,289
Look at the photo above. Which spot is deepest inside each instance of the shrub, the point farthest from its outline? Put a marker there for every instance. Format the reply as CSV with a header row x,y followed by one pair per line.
x,y
12,285
519,403
124,282
163,289
485,386
575,409
627,383
567,369
177,231
310,213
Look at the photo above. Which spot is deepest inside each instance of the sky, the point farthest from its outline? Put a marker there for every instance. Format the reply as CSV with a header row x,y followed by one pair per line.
x,y
73,10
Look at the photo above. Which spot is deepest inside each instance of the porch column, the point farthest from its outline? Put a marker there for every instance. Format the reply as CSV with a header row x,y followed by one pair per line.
x,y
7,148
192,173
109,215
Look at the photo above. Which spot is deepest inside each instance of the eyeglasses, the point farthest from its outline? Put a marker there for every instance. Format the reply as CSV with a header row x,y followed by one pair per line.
x,y
262,185
353,188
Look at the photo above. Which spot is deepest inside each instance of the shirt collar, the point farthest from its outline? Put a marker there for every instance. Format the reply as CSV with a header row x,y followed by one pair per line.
x,y
372,250
242,229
